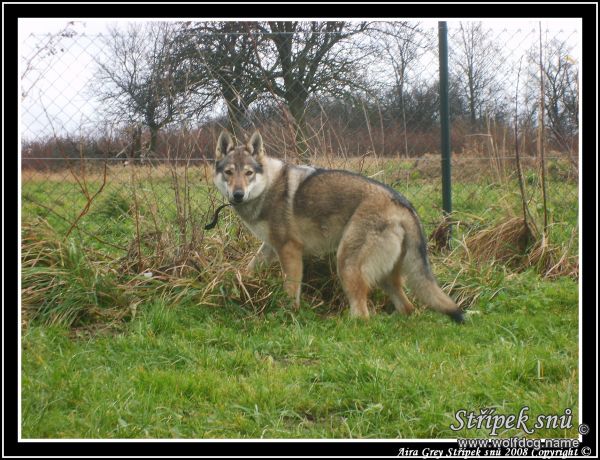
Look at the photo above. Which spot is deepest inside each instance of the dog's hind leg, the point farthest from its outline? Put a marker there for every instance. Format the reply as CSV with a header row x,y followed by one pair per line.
x,y
366,255
356,288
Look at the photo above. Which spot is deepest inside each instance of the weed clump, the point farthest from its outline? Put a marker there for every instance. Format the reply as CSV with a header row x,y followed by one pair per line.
x,y
64,284
515,243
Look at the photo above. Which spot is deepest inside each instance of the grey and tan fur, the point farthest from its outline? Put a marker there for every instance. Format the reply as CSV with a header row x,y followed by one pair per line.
x,y
300,210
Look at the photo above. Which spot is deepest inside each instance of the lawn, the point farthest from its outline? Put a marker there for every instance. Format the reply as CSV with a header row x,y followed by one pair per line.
x,y
186,370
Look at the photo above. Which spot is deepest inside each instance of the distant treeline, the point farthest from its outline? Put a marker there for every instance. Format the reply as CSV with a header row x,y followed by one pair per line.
x,y
319,88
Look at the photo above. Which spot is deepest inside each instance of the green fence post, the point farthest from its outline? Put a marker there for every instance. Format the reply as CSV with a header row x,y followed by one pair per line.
x,y
445,123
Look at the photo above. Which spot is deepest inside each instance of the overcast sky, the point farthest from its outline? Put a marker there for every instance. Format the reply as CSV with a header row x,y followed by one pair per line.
x,y
56,89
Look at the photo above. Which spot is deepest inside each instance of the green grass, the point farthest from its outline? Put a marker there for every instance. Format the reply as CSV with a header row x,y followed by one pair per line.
x,y
108,354
110,216
187,370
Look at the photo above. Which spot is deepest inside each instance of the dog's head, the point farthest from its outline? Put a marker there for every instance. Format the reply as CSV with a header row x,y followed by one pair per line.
x,y
239,169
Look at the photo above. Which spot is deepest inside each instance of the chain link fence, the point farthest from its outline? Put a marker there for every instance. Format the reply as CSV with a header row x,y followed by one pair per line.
x,y
118,129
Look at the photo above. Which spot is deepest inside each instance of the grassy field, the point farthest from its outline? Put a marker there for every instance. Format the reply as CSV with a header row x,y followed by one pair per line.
x,y
120,341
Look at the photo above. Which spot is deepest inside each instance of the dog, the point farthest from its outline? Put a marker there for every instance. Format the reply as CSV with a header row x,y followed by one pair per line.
x,y
301,210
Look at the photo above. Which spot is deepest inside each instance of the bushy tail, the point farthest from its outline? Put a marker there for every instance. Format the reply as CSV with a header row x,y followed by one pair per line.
x,y
423,284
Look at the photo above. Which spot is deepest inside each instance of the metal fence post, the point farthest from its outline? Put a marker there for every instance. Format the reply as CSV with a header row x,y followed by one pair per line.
x,y
445,121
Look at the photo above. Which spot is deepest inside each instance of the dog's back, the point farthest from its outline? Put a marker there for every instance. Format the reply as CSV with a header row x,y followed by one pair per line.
x,y
326,200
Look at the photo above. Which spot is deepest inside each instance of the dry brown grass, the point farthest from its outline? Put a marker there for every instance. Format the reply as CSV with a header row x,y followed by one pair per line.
x,y
116,172
514,243
504,242
553,261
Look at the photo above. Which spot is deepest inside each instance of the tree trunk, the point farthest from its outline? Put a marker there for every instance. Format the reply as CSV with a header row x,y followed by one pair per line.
x,y
472,110
153,138
136,141
298,112
401,91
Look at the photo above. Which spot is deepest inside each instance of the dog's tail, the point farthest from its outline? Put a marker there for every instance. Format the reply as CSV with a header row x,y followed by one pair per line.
x,y
416,268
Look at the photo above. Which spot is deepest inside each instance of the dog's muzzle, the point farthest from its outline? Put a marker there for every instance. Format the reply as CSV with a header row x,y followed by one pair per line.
x,y
238,196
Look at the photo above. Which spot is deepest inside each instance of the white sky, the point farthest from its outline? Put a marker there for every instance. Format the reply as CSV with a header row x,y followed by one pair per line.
x,y
58,94
98,26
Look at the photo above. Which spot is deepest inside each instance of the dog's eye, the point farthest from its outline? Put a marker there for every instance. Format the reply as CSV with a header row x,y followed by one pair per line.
x,y
229,172
249,173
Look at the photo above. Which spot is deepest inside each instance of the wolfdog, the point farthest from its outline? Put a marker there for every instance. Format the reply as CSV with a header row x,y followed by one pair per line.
x,y
301,210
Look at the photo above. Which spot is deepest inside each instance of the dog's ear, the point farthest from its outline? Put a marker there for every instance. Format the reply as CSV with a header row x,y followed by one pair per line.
x,y
255,145
224,144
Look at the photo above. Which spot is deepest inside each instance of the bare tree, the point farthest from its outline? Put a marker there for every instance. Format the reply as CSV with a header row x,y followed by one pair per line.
x,y
225,53
143,81
478,59
404,43
310,59
39,61
561,93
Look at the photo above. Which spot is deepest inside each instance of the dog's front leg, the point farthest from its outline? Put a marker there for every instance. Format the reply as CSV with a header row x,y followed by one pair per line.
x,y
290,256
265,254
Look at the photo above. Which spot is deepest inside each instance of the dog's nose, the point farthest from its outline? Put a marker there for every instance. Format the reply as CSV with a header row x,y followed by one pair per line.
x,y
238,196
